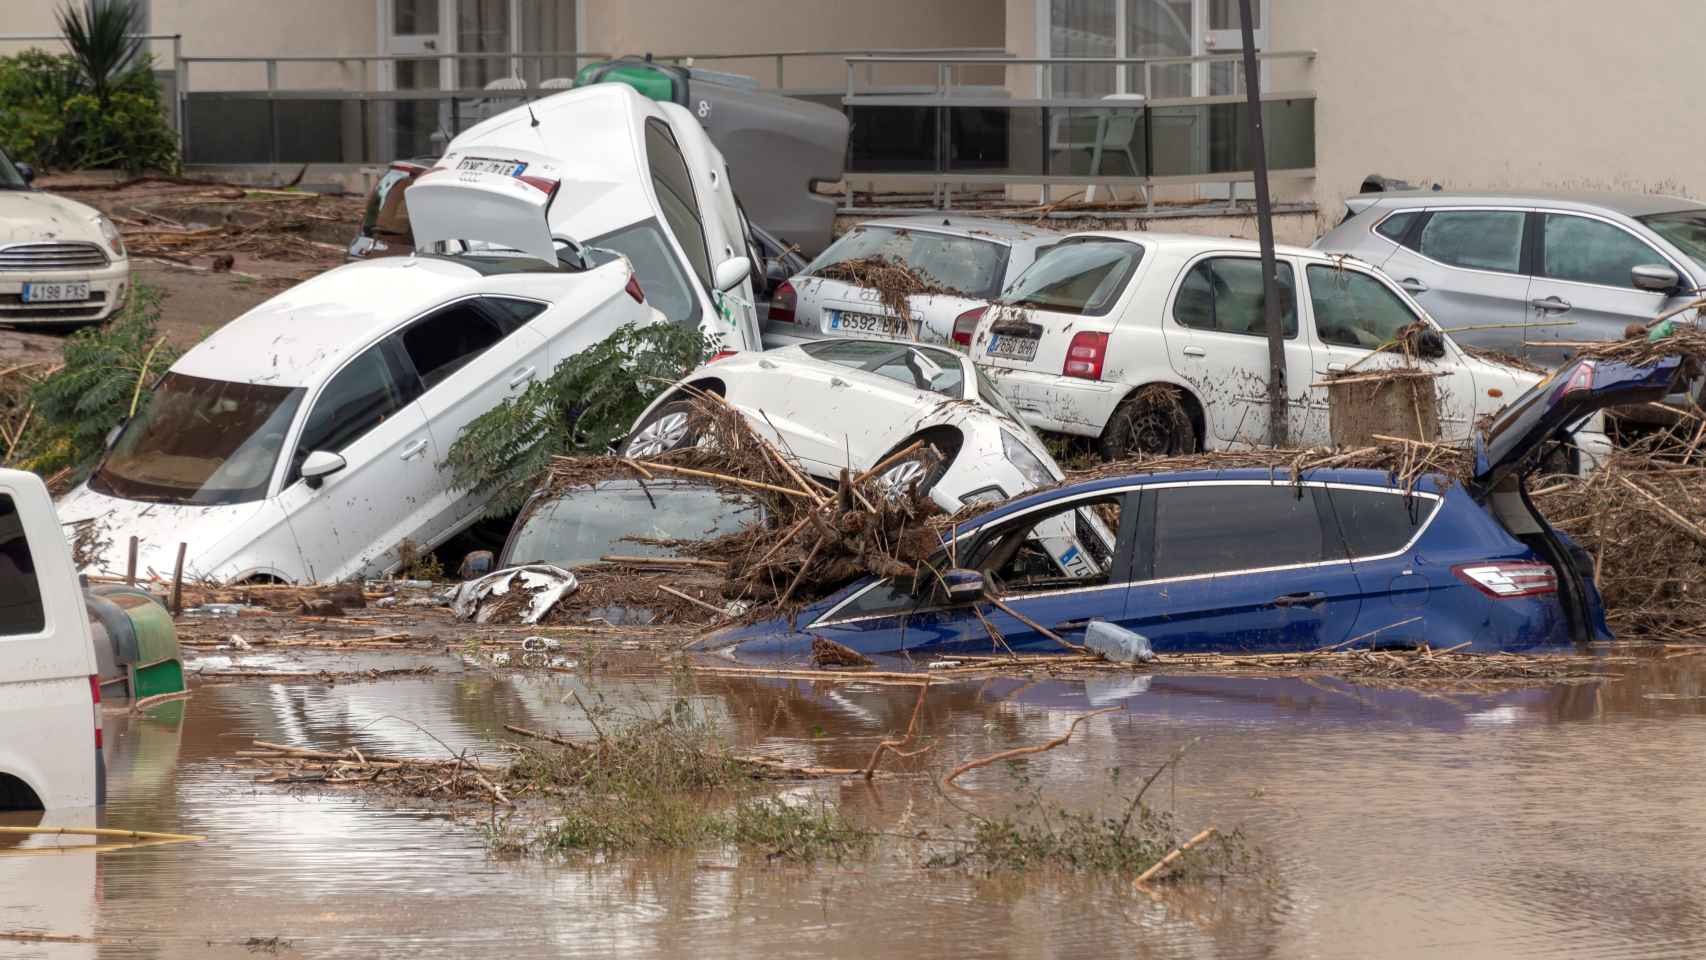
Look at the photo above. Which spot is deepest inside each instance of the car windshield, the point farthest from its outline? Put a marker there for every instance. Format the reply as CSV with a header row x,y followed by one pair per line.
x,y
659,271
963,264
10,178
1685,229
1077,276
583,526
200,441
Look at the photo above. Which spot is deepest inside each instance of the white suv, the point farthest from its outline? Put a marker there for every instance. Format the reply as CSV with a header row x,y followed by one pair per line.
x,y
1102,316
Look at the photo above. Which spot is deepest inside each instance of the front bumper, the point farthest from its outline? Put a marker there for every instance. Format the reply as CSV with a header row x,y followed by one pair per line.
x,y
108,288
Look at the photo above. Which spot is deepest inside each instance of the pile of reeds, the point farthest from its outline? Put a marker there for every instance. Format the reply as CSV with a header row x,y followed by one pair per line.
x,y
1405,461
894,280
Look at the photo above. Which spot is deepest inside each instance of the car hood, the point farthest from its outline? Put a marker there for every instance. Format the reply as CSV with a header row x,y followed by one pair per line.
x,y
159,528
1577,390
28,216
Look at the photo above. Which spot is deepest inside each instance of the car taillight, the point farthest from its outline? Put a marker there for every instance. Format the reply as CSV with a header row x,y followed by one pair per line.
x,y
1505,580
782,303
720,355
95,694
1085,354
544,185
966,324
634,290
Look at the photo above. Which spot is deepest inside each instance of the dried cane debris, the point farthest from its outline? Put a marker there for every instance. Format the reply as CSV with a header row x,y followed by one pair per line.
x,y
894,280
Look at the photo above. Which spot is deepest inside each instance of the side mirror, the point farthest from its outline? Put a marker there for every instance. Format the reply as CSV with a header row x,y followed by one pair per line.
x,y
1430,344
27,171
1655,277
731,272
320,465
965,586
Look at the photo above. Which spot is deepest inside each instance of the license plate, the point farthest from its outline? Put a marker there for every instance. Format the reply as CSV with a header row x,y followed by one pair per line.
x,y
1012,348
506,168
56,292
866,323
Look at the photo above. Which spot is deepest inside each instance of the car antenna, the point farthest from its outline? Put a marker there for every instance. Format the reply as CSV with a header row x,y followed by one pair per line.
x,y
530,115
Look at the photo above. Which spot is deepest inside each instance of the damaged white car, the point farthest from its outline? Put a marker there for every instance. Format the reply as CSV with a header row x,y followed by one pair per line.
x,y
62,264
304,440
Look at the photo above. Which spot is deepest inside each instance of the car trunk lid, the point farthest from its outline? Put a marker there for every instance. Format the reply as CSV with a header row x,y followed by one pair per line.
x,y
499,197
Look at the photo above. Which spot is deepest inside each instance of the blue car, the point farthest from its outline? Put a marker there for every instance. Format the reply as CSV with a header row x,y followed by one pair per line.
x,y
1248,560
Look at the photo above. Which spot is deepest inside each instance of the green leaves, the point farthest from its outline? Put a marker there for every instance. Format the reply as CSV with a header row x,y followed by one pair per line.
x,y
103,41
588,403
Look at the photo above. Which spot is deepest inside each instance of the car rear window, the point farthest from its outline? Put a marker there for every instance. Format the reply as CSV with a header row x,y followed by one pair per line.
x,y
1376,523
1077,276
20,595
1220,528
964,264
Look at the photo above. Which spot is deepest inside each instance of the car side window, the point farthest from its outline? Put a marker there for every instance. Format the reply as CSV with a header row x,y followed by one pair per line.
x,y
1476,239
1397,225
20,594
1592,251
674,187
1221,528
512,314
1353,309
444,342
1064,549
360,397
1376,523
1224,294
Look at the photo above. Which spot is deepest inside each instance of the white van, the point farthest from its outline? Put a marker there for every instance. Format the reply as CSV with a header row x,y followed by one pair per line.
x,y
50,692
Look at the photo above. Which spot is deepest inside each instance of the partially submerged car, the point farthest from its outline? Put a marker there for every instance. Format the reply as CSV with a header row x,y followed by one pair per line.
x,y
1085,339
974,258
633,176
1244,560
62,264
622,518
304,440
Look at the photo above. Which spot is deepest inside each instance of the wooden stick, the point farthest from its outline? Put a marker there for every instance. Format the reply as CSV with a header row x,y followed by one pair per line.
x,y
1027,621
178,581
1678,520
801,575
157,699
549,738
1023,751
1167,861
104,832
721,478
663,561
677,593
891,458
130,568
896,745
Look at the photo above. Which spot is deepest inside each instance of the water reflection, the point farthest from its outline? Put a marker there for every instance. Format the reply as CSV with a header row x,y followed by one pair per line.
x,y
1398,822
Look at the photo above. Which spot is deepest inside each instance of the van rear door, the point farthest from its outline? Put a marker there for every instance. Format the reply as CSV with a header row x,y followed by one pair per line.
x,y
46,655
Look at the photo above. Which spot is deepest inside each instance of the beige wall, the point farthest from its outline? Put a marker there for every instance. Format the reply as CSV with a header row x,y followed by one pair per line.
x,y
1536,94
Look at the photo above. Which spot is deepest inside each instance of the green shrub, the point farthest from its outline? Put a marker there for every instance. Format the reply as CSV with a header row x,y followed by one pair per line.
x,y
52,117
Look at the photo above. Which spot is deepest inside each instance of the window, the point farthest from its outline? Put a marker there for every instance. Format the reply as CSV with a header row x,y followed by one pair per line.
x,y
972,267
512,314
674,188
623,517
1592,251
1069,548
655,265
1685,228
448,340
20,595
1375,524
358,399
922,368
201,441
1396,226
1355,310
1225,294
1219,528
1477,239
1083,277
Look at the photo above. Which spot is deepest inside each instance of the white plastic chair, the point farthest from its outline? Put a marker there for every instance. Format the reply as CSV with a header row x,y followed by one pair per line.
x,y
557,83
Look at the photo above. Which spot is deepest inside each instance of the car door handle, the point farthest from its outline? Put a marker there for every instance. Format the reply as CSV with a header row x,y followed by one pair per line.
x,y
1195,352
521,377
415,449
1412,285
1335,368
1299,600
1552,304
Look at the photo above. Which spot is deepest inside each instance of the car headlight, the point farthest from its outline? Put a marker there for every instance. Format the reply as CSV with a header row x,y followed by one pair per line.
x,y
109,233
1026,462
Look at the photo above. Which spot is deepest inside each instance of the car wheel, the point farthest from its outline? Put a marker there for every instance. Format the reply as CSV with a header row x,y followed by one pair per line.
x,y
670,427
918,470
1152,422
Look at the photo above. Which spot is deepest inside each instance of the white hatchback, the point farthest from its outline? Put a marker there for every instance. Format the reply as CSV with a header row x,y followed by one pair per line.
x,y
62,264
1084,339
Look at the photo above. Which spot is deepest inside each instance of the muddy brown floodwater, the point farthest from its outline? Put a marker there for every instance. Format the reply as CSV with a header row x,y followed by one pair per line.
x,y
1542,821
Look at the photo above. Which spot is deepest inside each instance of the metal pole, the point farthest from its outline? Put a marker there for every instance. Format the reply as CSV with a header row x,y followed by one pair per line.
x,y
1277,433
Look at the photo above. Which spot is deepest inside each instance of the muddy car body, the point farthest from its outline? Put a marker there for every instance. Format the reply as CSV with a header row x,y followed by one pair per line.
x,y
1243,560
62,264
304,441
1084,340
974,256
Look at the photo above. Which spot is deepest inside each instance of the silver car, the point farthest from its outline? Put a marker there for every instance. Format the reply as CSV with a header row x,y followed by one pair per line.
x,y
1516,272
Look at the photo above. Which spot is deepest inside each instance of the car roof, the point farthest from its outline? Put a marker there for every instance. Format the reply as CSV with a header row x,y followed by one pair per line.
x,y
1190,243
1628,204
305,332
1429,483
982,228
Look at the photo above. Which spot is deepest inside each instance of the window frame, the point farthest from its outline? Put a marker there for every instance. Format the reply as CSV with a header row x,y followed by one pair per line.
x,y
1413,236
390,348
1537,231
691,200
1280,262
504,322
1408,303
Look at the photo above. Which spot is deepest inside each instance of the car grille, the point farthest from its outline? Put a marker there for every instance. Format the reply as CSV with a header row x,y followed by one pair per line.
x,y
52,256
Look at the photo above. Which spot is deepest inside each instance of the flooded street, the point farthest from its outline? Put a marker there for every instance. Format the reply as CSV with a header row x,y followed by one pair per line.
x,y
1393,823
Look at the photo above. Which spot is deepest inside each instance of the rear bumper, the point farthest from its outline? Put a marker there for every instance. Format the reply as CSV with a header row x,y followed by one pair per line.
x,y
779,334
108,288
1049,401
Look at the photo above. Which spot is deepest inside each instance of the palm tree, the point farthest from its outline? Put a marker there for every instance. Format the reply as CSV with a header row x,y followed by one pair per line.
x,y
103,41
